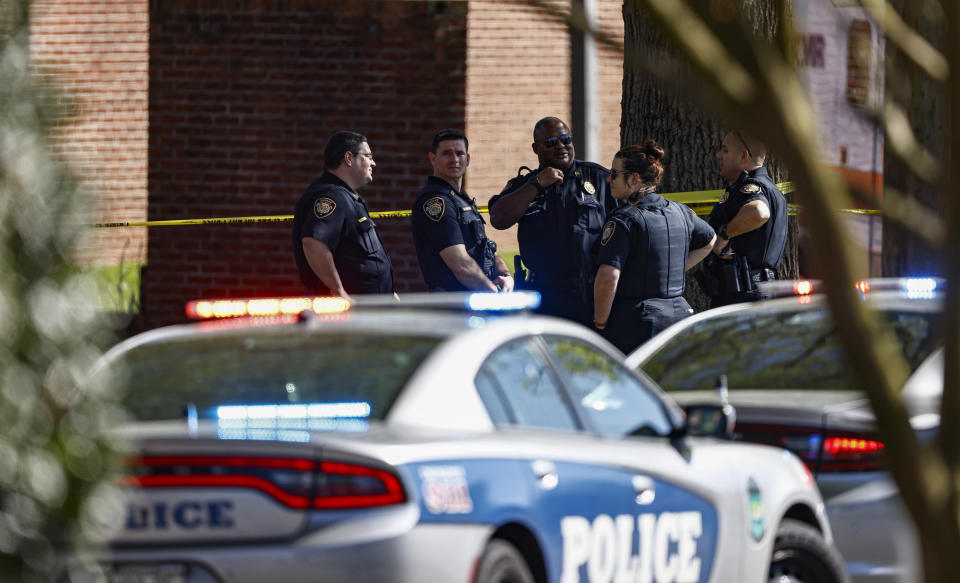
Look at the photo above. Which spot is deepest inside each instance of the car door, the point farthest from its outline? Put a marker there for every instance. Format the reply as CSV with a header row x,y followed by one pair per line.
x,y
597,520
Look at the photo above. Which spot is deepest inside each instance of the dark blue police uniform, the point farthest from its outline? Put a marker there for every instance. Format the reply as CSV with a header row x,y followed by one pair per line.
x,y
443,217
649,243
763,247
333,213
557,236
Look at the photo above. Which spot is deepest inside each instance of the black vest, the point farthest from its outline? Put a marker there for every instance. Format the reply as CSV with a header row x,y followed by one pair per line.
x,y
659,242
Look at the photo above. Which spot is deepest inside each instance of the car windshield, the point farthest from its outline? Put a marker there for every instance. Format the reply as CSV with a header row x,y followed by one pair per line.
x,y
207,372
785,350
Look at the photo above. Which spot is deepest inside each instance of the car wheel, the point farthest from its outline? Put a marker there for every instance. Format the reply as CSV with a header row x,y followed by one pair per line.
x,y
800,555
502,563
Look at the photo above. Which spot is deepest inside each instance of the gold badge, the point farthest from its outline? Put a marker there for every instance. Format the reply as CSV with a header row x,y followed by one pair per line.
x,y
607,232
750,188
323,208
433,208
589,187
724,197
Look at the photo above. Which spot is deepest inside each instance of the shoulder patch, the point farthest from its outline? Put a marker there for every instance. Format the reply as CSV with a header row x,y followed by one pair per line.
x,y
433,208
724,196
324,207
608,230
589,187
750,188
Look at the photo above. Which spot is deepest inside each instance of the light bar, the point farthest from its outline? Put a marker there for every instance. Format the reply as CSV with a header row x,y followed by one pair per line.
x,y
259,307
283,412
497,302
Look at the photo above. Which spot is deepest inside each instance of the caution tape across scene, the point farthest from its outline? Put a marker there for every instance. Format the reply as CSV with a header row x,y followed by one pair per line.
x,y
701,201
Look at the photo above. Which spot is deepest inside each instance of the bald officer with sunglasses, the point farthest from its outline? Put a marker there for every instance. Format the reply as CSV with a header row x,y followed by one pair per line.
x,y
560,209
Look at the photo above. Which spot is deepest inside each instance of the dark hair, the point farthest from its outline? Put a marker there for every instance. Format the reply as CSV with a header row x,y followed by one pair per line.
x,y
756,150
645,161
448,134
338,145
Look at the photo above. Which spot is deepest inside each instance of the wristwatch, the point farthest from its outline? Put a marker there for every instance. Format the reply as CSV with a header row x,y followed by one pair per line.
x,y
723,233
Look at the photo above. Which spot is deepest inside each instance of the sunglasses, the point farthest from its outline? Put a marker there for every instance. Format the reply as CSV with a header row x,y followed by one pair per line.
x,y
565,139
615,173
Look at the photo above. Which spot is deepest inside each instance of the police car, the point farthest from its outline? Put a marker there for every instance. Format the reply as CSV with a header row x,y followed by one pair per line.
x,y
359,443
788,377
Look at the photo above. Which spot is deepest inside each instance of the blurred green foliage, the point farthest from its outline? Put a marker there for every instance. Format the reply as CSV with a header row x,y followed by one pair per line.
x,y
55,457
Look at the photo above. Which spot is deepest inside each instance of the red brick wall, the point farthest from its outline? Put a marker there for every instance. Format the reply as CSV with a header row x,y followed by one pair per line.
x,y
95,52
242,98
518,71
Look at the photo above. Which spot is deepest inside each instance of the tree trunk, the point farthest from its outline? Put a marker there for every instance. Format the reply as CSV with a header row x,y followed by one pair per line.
x,y
925,103
690,137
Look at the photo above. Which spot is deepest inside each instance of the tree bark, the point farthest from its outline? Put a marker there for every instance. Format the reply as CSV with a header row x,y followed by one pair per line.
x,y
925,102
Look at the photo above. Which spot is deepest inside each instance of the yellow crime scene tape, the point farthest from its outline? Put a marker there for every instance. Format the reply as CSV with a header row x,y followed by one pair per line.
x,y
701,201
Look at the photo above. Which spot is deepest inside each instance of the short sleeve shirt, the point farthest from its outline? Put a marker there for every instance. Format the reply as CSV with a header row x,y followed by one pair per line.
x,y
332,213
443,217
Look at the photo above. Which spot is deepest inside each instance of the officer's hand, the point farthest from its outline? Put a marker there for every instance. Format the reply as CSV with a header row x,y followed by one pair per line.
x,y
504,282
549,176
723,249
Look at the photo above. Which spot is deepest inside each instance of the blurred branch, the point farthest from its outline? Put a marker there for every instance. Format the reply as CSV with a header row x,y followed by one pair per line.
x,y
914,46
910,214
704,49
903,142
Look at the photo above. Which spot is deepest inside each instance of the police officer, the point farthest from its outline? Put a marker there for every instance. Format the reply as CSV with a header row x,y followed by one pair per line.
x,y
645,248
335,243
559,208
452,246
750,220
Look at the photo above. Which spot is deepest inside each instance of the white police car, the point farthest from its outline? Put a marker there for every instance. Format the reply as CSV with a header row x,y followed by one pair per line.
x,y
404,444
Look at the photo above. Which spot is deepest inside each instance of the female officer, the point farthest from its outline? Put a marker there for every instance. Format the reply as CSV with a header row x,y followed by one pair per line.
x,y
645,248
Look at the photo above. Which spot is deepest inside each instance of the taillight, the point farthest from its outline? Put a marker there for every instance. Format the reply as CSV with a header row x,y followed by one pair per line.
x,y
837,452
851,453
351,486
296,483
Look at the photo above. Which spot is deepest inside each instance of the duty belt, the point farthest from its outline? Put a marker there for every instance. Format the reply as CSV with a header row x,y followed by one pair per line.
x,y
763,274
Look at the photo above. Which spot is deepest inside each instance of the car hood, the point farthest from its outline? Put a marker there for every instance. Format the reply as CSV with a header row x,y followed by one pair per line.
x,y
787,400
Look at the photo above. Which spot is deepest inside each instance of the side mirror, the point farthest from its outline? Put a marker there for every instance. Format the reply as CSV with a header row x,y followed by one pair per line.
x,y
710,420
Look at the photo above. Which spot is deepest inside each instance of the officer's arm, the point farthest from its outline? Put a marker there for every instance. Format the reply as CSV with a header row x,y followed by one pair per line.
x,y
320,259
504,281
604,288
465,269
510,207
698,255
750,216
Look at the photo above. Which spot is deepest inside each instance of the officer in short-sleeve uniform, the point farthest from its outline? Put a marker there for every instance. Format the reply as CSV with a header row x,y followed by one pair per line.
x,y
443,217
333,213
558,233
763,247
649,243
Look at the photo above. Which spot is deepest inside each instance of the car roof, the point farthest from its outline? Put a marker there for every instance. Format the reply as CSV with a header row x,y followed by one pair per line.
x,y
882,300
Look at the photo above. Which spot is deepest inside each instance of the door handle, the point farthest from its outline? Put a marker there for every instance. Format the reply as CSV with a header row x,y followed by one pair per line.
x,y
645,490
546,474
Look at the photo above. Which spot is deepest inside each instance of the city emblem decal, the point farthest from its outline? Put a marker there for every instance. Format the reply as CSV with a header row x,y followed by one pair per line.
x,y
433,208
755,505
607,232
324,207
